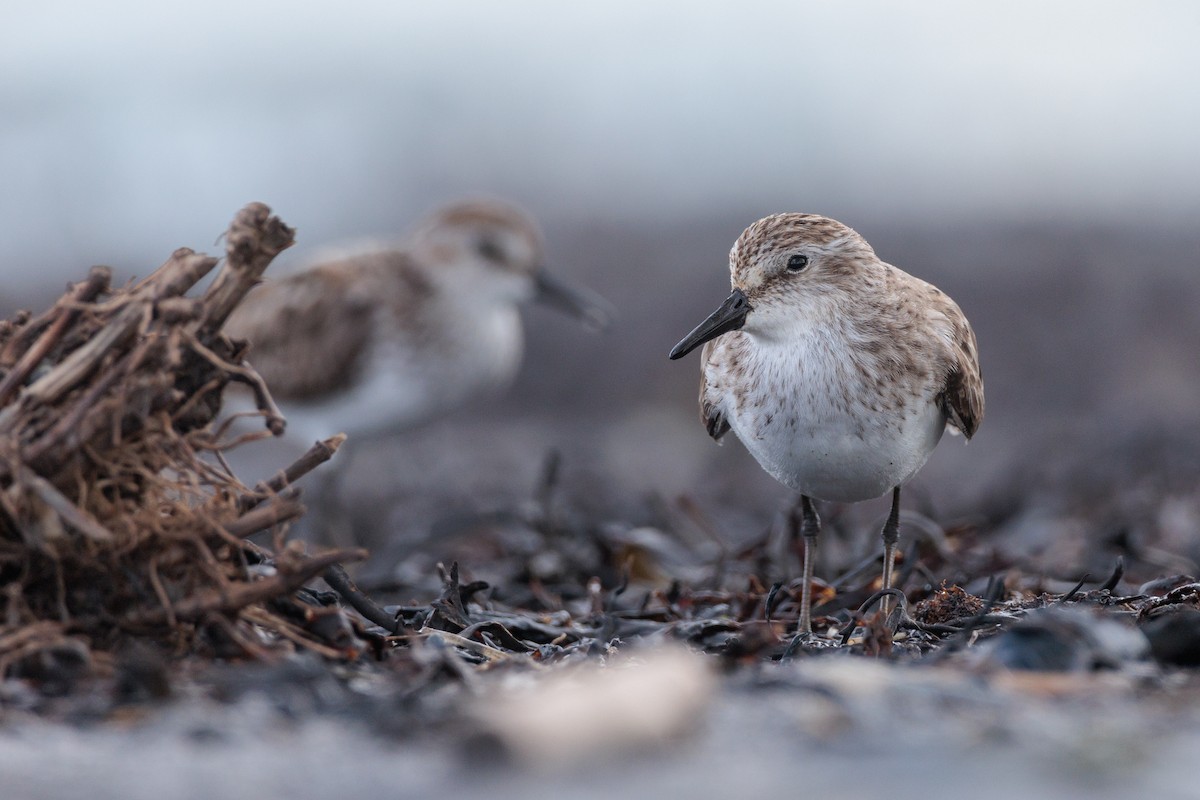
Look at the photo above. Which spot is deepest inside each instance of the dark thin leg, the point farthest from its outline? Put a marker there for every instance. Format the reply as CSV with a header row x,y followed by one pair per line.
x,y
891,535
810,528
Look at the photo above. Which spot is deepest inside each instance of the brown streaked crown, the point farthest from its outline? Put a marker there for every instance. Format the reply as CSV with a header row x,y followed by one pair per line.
x,y
501,234
783,233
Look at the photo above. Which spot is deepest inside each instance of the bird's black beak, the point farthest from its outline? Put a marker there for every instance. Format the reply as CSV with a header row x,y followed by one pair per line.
x,y
596,312
729,317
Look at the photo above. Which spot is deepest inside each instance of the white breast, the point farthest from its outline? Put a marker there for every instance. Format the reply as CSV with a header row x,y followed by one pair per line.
x,y
815,422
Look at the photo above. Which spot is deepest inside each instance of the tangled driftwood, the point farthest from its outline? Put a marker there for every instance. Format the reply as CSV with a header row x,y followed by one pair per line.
x,y
118,514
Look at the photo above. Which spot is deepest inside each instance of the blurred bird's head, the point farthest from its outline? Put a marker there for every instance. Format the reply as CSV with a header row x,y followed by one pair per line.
x,y
492,251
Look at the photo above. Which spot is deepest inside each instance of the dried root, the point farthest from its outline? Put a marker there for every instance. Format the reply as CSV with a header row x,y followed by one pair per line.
x,y
118,516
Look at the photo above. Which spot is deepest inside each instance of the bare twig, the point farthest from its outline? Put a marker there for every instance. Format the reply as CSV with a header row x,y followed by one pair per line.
x,y
237,596
1117,573
262,395
316,455
70,422
97,282
293,633
263,517
479,648
339,580
77,366
254,239
181,272
74,516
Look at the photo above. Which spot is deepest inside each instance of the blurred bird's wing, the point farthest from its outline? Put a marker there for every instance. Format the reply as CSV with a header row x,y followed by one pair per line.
x,y
308,332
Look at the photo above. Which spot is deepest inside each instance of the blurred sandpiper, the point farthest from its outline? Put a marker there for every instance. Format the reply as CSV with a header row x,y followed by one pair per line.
x,y
386,338
837,371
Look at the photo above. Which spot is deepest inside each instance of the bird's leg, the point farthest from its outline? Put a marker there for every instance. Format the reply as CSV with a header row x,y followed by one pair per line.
x,y
810,529
891,536
332,515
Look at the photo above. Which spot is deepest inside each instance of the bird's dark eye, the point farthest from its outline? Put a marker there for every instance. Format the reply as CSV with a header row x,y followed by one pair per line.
x,y
490,249
797,262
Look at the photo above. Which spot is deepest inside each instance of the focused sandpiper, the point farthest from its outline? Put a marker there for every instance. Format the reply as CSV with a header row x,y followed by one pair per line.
x,y
837,371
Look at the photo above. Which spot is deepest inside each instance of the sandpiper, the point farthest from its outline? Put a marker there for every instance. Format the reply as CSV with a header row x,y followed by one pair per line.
x,y
386,338
837,371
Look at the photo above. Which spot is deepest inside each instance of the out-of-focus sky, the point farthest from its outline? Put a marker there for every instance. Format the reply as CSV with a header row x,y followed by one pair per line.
x,y
127,129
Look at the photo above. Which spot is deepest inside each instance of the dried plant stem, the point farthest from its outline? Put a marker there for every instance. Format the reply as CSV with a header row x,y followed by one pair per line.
x,y
236,597
85,292
114,518
316,455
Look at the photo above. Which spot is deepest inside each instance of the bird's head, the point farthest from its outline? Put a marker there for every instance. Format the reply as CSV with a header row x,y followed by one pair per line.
x,y
782,268
494,251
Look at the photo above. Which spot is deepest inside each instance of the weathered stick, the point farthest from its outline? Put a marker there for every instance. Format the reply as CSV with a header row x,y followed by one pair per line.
x,y
316,455
71,514
70,423
97,281
263,517
235,597
180,272
254,239
77,366
339,580
244,374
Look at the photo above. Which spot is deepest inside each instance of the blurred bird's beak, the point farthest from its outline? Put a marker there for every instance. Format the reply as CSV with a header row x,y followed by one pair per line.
x,y
596,312
729,317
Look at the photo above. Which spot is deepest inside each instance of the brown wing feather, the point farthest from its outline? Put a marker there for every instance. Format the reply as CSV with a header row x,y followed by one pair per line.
x,y
961,398
713,420
309,332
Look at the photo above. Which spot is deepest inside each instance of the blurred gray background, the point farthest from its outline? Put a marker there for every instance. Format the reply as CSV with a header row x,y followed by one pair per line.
x,y
1037,161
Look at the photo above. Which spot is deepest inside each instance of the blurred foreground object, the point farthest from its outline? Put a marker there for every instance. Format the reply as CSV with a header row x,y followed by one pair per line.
x,y
594,712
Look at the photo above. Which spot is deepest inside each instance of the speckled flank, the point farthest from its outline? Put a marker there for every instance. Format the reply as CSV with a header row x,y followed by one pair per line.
x,y
846,370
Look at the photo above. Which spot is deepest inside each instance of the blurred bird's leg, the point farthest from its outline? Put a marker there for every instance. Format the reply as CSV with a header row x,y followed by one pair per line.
x,y
810,529
332,520
891,536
